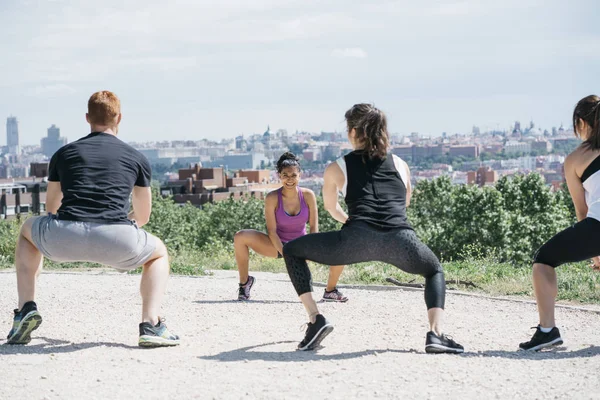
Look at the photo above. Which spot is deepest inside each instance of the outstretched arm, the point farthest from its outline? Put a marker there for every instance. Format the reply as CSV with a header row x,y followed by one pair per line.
x,y
333,181
270,207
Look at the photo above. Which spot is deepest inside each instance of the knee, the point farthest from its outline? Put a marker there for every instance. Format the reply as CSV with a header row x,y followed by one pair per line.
x,y
26,228
160,249
433,268
288,249
541,268
239,237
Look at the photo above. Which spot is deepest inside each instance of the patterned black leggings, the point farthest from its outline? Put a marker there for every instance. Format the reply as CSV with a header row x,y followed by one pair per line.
x,y
358,242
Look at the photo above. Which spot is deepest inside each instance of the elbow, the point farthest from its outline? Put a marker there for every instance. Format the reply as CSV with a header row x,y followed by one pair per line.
x,y
142,221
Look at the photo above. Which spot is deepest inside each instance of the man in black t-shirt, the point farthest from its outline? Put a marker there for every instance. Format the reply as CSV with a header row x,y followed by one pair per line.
x,y
88,219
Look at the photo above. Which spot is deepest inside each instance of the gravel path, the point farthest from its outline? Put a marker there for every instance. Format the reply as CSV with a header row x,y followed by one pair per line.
x,y
87,345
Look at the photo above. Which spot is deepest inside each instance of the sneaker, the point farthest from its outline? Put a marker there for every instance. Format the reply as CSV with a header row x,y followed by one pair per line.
x,y
334,295
244,290
25,321
315,333
157,335
441,344
541,340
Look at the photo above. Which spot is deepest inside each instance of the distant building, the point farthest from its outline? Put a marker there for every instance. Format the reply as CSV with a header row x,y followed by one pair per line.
x,y
404,151
236,161
240,143
494,148
12,135
521,163
332,152
541,146
170,155
199,185
517,130
39,170
416,153
312,154
466,150
255,176
53,141
482,177
514,147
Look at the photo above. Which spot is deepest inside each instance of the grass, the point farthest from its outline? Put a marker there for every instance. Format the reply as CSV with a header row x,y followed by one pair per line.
x,y
577,282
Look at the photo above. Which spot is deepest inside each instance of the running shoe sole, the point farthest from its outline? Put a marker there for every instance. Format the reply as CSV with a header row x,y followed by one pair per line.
x,y
556,342
28,324
333,300
316,341
156,341
439,349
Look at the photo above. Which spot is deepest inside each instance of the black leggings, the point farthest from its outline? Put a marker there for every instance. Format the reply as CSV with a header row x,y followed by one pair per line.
x,y
576,243
358,242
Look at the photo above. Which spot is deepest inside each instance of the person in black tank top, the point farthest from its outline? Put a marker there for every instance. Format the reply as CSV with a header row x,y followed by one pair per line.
x,y
375,193
376,188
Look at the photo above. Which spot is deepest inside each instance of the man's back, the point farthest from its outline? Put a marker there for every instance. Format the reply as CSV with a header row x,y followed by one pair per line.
x,y
97,174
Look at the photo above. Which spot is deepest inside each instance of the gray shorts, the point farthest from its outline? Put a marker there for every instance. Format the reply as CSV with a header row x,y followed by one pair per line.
x,y
123,247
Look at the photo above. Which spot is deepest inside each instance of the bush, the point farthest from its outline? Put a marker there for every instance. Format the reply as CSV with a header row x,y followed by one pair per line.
x,y
509,221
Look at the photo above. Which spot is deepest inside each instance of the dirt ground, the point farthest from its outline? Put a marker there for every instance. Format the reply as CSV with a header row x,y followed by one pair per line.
x,y
87,345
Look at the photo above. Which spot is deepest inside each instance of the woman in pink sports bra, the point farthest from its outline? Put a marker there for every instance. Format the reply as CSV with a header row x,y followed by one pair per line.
x,y
287,211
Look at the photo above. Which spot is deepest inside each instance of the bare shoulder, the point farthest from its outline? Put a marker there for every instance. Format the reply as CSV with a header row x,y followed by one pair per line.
x,y
578,156
307,193
271,197
333,169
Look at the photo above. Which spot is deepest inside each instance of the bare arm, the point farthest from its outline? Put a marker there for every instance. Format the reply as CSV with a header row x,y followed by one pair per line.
x,y
408,184
333,182
141,202
313,210
575,188
53,197
270,206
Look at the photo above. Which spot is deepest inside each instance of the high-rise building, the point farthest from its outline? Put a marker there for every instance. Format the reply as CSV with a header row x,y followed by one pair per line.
x,y
12,134
53,142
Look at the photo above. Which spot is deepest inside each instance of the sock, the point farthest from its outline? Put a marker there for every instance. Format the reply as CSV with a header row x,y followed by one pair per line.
x,y
545,330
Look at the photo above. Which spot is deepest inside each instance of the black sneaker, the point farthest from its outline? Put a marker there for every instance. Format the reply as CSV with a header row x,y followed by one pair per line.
x,y
244,290
541,340
25,321
157,335
315,333
441,344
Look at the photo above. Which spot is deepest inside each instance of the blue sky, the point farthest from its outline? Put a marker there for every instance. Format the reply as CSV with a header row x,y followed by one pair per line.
x,y
191,69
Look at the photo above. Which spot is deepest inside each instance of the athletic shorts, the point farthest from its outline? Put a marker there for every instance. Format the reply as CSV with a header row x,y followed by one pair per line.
x,y
121,246
576,243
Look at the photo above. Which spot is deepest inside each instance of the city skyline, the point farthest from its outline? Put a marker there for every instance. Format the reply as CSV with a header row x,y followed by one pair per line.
x,y
220,69
487,129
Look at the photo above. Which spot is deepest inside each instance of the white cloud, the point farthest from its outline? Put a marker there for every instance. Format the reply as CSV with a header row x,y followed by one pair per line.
x,y
350,52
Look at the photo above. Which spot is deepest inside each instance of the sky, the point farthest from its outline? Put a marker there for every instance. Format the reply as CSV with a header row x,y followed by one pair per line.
x,y
193,69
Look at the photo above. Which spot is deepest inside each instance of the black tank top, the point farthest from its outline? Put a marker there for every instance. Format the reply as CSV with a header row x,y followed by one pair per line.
x,y
375,192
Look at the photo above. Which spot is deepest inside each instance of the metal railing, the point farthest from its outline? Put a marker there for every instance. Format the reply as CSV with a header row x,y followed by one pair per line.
x,y
34,208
